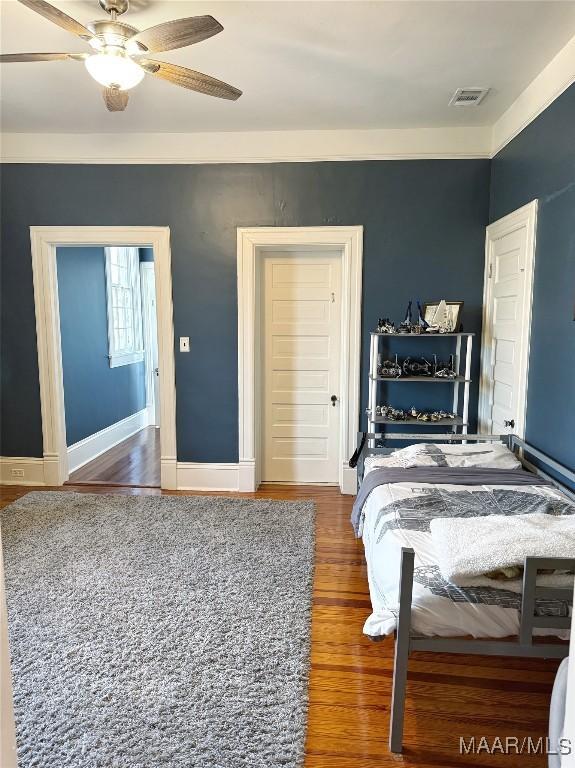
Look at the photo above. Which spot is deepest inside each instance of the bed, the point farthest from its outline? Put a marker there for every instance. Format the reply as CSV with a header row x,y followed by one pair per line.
x,y
401,494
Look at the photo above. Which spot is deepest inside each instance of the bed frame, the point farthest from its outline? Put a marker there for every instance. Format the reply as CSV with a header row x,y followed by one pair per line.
x,y
525,644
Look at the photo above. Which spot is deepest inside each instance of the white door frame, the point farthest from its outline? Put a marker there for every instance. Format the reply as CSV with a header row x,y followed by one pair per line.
x,y
524,217
252,243
45,241
148,323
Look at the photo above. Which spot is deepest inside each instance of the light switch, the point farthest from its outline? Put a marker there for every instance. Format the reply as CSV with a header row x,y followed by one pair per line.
x,y
184,343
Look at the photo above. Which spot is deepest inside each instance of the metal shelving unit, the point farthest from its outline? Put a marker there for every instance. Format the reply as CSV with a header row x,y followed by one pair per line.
x,y
460,379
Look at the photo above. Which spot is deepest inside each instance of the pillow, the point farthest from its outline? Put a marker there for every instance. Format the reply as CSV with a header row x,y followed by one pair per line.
x,y
484,455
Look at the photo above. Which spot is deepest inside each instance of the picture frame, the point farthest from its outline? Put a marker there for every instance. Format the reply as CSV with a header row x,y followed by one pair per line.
x,y
454,308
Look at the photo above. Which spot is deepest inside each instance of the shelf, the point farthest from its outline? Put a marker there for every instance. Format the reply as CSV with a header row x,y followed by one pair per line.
x,y
457,422
435,380
462,365
420,335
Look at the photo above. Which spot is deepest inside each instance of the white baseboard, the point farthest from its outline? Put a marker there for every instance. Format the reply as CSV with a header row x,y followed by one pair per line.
x,y
247,482
95,445
20,470
194,476
183,476
349,481
169,473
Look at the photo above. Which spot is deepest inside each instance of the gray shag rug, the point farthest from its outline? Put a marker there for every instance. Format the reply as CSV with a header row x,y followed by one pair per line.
x,y
159,631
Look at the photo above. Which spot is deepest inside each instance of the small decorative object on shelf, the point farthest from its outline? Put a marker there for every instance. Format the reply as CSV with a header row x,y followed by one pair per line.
x,y
398,414
389,369
435,317
422,323
444,370
421,367
385,325
407,324
442,316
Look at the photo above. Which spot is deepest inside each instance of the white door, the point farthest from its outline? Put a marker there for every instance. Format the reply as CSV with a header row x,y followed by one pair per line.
x,y
301,331
510,251
150,334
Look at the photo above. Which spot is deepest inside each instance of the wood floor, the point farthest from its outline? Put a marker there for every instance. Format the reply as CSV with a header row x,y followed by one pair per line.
x,y
449,696
135,461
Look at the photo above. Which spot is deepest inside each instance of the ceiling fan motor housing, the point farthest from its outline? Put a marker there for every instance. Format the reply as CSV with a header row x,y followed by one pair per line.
x,y
115,6
114,33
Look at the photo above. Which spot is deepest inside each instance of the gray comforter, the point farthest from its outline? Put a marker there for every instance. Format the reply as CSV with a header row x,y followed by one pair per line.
x,y
441,475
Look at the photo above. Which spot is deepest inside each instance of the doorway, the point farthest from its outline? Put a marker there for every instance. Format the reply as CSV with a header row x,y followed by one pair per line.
x,y
108,333
507,303
121,353
336,431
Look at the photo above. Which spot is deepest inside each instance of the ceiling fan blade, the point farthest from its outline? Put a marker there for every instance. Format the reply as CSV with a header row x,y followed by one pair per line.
x,y
188,78
178,33
58,17
6,58
116,100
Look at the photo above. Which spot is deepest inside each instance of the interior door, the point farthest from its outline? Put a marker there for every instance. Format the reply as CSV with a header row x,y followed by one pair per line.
x,y
510,253
301,332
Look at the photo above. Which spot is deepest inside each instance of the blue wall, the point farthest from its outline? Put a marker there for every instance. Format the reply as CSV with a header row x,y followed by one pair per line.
x,y
95,395
540,163
424,229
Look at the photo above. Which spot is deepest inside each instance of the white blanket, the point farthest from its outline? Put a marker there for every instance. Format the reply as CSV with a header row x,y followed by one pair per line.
x,y
467,548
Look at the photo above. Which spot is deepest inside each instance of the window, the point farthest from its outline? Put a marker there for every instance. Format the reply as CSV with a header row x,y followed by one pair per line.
x,y
124,306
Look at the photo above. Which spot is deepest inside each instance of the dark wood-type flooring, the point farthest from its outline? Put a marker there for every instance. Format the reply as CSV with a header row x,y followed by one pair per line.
x,y
448,697
135,461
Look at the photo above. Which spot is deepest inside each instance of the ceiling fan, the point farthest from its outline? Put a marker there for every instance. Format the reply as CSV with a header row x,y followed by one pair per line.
x,y
120,59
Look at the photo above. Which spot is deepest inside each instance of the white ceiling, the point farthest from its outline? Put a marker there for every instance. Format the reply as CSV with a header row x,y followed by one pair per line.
x,y
301,65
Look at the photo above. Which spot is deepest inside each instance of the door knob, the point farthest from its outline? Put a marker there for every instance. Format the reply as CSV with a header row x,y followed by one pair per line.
x,y
333,400
510,423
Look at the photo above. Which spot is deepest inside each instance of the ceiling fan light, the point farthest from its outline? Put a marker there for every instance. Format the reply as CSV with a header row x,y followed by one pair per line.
x,y
114,70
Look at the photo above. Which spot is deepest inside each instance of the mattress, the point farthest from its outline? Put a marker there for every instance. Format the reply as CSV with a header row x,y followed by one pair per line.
x,y
397,515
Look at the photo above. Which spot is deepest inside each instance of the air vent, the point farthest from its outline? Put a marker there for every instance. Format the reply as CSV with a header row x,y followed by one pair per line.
x,y
468,97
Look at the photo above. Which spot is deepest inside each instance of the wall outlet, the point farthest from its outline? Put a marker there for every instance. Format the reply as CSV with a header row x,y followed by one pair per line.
x,y
17,472
184,343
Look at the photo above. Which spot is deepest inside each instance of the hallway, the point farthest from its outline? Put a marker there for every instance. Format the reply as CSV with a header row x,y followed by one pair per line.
x,y
135,461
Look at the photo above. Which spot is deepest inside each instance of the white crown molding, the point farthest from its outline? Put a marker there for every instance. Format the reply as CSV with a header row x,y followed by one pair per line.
x,y
549,84
246,147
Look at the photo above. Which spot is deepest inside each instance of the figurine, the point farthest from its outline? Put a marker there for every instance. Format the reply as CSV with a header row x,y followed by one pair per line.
x,y
421,321
441,322
405,326
408,316
389,369
444,370
385,325
417,368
